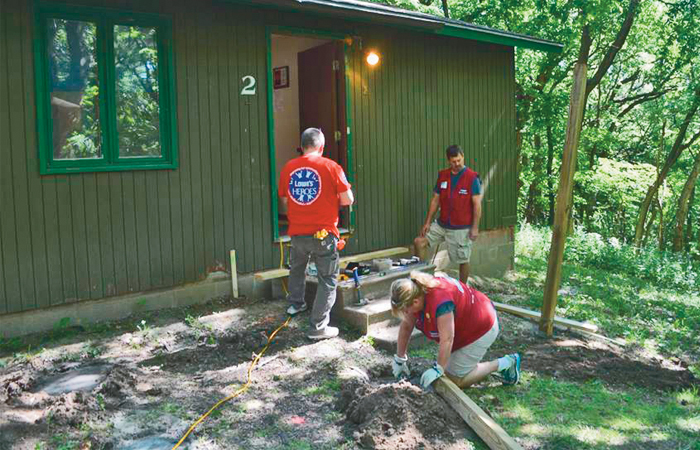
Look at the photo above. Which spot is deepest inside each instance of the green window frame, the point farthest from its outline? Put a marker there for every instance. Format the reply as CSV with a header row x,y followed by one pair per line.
x,y
105,107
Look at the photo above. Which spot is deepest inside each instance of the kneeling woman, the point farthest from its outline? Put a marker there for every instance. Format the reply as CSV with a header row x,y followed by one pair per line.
x,y
461,319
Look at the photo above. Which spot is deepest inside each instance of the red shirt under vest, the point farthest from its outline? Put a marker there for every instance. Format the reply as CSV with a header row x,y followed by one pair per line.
x,y
456,207
474,314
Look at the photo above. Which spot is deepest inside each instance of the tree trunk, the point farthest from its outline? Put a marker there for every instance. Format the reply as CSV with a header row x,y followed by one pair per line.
x,y
445,9
676,150
533,213
661,224
651,222
568,166
550,182
683,205
689,226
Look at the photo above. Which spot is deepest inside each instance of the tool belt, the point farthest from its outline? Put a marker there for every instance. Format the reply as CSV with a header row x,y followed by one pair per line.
x,y
321,234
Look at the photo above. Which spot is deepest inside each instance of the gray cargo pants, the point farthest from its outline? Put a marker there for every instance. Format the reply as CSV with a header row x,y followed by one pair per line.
x,y
324,254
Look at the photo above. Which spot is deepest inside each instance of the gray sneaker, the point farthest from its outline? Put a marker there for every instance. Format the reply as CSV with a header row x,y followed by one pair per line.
x,y
324,333
293,310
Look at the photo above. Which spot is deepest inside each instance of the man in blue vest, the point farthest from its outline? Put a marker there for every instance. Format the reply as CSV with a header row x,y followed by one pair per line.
x,y
458,195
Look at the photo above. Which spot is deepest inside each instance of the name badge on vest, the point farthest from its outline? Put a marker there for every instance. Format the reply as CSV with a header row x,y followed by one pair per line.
x,y
463,191
443,185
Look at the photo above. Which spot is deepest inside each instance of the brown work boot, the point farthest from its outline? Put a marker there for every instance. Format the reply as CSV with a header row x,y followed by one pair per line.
x,y
324,333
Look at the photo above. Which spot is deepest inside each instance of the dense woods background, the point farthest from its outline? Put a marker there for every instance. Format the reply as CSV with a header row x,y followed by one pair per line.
x,y
639,155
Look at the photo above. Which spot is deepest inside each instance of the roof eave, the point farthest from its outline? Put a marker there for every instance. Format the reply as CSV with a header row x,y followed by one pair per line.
x,y
423,22
496,37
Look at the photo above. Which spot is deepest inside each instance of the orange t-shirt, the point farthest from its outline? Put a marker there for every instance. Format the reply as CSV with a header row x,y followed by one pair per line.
x,y
312,185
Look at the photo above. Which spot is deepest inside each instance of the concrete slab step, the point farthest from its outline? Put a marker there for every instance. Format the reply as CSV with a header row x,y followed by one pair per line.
x,y
386,333
372,286
362,317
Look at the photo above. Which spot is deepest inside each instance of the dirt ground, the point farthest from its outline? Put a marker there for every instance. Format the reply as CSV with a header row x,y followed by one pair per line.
x,y
141,382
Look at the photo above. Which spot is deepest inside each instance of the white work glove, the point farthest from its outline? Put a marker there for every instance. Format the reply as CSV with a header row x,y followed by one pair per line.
x,y
400,367
431,375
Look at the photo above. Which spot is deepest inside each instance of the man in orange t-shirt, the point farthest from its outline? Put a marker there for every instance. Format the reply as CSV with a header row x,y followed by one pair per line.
x,y
313,188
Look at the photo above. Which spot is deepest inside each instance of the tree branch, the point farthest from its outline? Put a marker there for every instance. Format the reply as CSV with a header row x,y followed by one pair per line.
x,y
614,47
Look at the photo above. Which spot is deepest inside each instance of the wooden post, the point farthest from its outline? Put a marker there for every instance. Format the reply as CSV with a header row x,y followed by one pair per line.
x,y
564,202
234,274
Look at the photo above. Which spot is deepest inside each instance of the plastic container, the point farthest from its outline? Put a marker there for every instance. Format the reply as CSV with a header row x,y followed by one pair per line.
x,y
382,265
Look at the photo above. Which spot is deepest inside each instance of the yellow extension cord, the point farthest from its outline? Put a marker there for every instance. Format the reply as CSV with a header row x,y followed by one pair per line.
x,y
250,369
240,390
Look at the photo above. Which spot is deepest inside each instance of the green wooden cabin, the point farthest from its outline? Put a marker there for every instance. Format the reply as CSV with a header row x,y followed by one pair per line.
x,y
140,140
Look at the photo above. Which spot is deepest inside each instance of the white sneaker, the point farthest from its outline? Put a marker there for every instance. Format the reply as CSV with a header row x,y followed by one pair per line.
x,y
293,310
323,333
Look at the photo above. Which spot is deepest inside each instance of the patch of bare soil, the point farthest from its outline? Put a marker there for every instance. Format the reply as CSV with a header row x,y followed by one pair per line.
x,y
402,416
144,381
575,357
159,372
580,357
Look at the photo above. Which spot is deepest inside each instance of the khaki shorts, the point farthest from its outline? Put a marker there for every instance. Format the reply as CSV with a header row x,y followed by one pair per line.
x,y
465,359
459,246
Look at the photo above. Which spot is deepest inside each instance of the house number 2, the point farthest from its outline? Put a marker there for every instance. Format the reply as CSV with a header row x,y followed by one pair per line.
x,y
249,85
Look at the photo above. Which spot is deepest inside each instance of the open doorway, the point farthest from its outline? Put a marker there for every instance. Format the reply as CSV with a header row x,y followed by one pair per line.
x,y
308,90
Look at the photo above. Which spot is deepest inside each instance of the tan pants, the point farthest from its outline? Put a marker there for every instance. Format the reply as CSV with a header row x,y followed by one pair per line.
x,y
459,246
465,359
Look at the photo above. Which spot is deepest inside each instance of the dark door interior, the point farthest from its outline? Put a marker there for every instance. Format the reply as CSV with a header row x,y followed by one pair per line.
x,y
322,96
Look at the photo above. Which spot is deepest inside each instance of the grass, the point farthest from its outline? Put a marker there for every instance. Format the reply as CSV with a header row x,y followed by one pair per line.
x,y
563,415
648,307
601,289
326,390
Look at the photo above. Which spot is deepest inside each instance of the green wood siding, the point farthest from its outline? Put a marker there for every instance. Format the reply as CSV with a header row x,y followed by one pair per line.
x,y
85,236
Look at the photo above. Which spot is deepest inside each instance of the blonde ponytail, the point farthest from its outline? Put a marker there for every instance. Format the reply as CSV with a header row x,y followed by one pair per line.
x,y
405,290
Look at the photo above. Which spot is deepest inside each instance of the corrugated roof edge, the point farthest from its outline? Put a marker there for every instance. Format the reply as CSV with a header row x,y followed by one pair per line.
x,y
429,23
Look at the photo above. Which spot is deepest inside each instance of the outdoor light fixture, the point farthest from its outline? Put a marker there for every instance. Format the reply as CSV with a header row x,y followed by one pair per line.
x,y
372,59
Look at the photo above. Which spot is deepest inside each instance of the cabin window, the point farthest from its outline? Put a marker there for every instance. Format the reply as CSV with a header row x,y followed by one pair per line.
x,y
105,91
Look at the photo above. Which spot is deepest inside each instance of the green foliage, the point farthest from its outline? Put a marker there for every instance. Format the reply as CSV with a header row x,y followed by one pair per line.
x,y
663,269
616,189
602,280
11,345
63,441
90,350
200,328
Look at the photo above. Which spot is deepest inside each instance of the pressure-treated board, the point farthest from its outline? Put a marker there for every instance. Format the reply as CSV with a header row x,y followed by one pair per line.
x,y
492,434
536,315
280,273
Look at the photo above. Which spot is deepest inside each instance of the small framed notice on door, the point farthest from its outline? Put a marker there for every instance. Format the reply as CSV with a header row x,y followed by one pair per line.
x,y
280,77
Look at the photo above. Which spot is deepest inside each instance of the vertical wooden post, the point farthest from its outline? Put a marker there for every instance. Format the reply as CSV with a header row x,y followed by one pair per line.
x,y
564,197
234,274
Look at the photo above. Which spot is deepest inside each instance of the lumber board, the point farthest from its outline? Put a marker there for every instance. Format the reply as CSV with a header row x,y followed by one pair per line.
x,y
518,311
488,430
281,273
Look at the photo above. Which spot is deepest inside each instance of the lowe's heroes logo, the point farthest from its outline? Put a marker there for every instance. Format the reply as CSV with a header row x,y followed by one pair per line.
x,y
304,186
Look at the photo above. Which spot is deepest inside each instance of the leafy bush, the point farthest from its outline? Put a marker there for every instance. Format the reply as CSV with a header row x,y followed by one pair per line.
x,y
665,269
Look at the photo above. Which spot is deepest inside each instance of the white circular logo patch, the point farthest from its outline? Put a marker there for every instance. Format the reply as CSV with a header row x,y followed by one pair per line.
x,y
304,186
